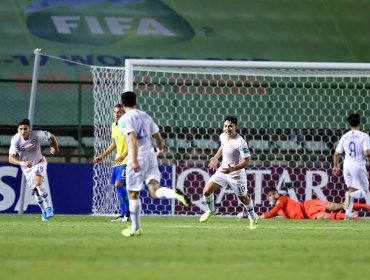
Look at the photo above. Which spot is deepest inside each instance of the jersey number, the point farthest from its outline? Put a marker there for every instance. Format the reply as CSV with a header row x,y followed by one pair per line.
x,y
352,149
142,133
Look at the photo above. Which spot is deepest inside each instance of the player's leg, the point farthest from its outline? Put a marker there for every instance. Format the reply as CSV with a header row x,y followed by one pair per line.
x,y
360,183
152,178
39,196
135,183
135,210
119,178
214,183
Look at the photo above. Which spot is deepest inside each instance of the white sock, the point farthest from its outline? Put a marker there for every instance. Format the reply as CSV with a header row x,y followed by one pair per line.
x,y
164,192
354,195
350,207
40,201
209,200
250,209
135,211
44,194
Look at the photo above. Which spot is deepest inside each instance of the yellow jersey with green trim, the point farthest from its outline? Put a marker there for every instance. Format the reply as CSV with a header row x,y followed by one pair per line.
x,y
121,145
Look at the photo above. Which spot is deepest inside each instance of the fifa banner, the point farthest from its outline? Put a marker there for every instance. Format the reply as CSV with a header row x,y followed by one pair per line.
x,y
70,188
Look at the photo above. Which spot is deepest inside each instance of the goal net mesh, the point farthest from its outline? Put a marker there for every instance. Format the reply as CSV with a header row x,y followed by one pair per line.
x,y
291,119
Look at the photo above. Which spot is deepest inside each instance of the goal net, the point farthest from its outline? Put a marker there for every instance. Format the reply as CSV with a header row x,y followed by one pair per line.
x,y
291,114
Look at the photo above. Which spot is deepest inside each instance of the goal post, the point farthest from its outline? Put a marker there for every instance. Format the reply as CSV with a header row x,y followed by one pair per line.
x,y
291,114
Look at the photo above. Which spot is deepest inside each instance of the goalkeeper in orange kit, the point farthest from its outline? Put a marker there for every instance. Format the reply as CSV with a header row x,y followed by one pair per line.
x,y
313,209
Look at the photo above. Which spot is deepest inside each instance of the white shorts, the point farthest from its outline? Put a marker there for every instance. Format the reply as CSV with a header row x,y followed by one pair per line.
x,y
236,180
355,176
148,171
38,169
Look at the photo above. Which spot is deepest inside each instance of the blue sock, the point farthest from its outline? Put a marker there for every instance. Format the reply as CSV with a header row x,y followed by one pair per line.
x,y
122,198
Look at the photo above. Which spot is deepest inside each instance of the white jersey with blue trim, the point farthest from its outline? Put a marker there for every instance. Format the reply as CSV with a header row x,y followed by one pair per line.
x,y
143,125
353,144
29,150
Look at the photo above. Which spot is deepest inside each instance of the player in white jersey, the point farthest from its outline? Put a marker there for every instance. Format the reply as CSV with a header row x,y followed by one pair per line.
x,y
26,143
356,146
235,158
142,165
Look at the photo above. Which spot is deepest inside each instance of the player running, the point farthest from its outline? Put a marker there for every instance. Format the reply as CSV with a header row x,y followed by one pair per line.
x,y
142,165
356,146
235,158
26,143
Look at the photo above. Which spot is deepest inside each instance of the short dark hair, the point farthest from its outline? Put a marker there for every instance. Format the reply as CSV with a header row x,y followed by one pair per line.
x,y
118,106
354,120
24,122
128,99
232,119
272,189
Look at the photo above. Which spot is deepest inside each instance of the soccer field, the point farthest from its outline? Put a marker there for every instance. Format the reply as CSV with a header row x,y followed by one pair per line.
x,y
87,247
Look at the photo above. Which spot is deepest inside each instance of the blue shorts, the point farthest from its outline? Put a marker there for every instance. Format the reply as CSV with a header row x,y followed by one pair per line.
x,y
119,174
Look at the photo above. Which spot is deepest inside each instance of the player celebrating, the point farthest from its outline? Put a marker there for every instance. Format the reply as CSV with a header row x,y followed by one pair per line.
x,y
118,178
235,158
356,146
26,143
142,165
313,209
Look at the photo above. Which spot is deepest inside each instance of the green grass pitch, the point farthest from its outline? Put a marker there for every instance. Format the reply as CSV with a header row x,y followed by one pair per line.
x,y
88,247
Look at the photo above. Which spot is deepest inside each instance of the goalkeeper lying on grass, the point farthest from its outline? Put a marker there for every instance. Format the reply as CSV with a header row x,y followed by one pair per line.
x,y
313,209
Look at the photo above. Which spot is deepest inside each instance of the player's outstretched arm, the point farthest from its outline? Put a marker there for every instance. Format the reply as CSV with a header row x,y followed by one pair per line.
x,y
214,160
54,145
13,160
107,151
336,166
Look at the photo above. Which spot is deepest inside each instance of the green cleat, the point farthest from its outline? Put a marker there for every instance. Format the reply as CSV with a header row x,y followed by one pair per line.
x,y
129,232
253,224
183,198
207,215
347,198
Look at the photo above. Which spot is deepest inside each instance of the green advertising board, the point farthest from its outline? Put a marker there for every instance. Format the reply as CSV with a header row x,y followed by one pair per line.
x,y
106,32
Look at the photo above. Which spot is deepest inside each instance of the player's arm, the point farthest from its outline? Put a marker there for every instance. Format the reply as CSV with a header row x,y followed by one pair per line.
x,y
280,203
134,149
336,166
13,160
367,153
242,164
54,144
214,160
107,151
159,142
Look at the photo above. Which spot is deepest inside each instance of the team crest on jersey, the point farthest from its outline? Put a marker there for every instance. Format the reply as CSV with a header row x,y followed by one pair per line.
x,y
123,125
246,150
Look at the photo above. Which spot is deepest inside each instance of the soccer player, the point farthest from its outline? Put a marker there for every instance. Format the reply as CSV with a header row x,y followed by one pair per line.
x,y
356,146
235,158
26,143
118,178
313,209
142,165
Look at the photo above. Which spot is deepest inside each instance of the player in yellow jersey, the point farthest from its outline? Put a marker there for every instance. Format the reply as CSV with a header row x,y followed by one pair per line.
x,y
118,178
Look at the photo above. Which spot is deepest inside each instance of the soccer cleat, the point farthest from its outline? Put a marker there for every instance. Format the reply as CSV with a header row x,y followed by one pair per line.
x,y
253,224
49,212
118,219
207,215
44,217
347,198
129,232
242,215
183,197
